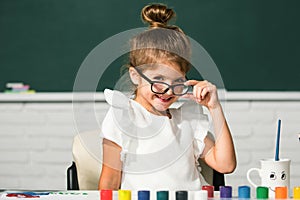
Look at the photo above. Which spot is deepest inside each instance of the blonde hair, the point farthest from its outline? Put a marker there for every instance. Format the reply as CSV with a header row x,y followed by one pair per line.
x,y
161,42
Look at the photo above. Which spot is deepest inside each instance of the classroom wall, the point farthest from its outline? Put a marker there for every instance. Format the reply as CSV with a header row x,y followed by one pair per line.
x,y
36,138
44,43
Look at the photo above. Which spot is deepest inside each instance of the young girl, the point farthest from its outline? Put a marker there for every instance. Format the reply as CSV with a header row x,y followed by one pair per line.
x,y
152,141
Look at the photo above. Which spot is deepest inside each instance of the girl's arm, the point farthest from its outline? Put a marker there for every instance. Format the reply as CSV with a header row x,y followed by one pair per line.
x,y
111,173
221,156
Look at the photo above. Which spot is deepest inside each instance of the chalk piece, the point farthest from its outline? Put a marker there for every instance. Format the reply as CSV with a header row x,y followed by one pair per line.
x,y
12,85
30,92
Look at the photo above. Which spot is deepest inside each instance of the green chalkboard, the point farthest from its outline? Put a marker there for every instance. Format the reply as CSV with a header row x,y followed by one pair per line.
x,y
254,43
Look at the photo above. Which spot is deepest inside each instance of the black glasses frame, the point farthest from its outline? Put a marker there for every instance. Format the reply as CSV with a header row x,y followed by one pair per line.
x,y
167,89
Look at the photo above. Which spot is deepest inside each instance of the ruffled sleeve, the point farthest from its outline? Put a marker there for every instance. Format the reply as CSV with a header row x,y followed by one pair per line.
x,y
110,128
111,125
126,120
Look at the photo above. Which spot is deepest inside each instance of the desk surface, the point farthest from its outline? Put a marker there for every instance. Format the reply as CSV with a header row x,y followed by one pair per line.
x,y
84,195
57,195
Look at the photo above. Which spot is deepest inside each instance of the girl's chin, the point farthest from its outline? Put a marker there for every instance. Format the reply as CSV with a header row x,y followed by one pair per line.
x,y
161,107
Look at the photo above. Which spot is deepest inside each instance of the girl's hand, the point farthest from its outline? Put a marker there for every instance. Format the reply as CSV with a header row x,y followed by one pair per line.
x,y
204,93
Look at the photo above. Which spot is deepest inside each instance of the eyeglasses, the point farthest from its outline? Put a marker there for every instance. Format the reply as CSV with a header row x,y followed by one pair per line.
x,y
159,87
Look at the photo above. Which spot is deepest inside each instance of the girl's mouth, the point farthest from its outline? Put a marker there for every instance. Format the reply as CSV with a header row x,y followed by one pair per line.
x,y
163,99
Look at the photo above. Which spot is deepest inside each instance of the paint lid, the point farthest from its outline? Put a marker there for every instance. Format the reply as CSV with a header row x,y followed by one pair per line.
x,y
296,193
124,195
144,195
225,191
106,194
210,190
181,195
244,192
262,192
162,195
281,192
201,194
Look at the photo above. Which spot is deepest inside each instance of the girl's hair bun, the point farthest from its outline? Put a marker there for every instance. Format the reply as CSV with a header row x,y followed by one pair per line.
x,y
157,15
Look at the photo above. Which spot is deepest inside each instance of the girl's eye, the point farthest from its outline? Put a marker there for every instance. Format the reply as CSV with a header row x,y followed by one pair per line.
x,y
158,78
180,80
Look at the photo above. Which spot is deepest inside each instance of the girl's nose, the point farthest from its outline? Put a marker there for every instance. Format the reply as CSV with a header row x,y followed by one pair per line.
x,y
169,92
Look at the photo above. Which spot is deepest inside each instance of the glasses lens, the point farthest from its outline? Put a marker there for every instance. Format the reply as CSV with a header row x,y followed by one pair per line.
x,y
162,88
180,89
159,88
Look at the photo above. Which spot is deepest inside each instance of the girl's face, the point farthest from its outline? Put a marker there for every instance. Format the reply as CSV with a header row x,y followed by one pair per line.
x,y
168,73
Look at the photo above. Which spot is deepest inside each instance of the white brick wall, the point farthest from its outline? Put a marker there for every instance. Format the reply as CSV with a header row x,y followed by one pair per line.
x,y
254,128
36,138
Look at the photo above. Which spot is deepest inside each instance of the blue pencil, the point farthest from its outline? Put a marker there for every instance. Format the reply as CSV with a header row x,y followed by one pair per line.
x,y
277,141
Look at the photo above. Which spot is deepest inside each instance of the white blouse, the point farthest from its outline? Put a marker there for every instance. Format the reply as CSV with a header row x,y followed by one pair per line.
x,y
157,152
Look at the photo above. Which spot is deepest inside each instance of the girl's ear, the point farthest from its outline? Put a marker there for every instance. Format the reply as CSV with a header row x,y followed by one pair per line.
x,y
134,76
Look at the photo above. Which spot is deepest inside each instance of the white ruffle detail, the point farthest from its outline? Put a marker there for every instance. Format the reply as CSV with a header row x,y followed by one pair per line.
x,y
116,99
123,155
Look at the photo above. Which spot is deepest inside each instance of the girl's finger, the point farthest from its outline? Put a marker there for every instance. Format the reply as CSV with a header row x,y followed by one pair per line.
x,y
196,92
191,82
188,96
204,92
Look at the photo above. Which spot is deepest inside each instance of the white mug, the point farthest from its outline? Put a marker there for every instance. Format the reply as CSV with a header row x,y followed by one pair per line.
x,y
272,174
